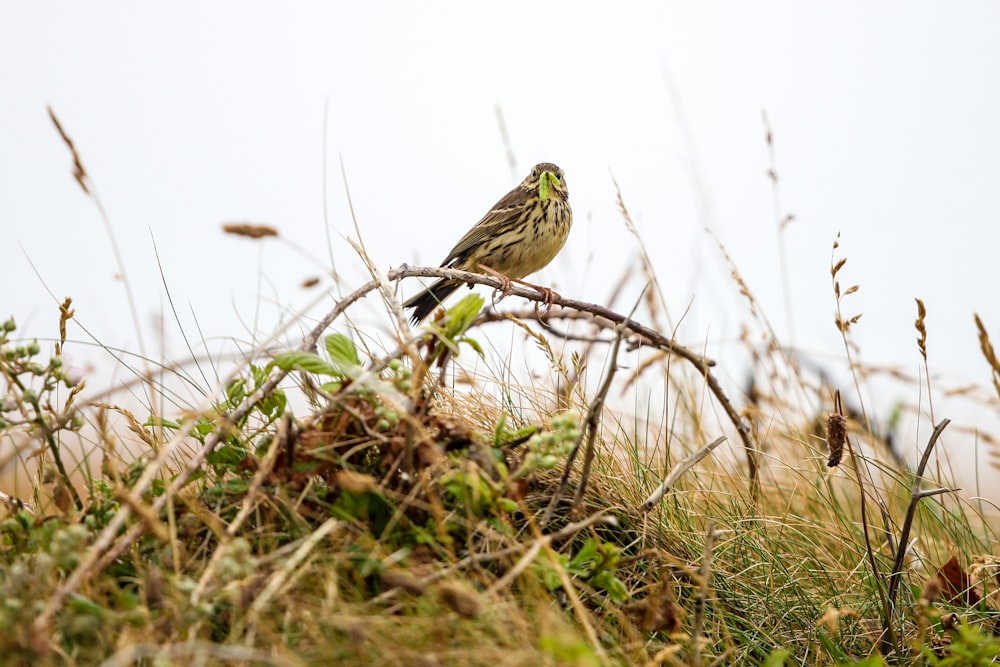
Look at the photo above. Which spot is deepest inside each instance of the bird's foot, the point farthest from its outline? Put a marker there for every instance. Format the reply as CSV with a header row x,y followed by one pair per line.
x,y
505,283
548,297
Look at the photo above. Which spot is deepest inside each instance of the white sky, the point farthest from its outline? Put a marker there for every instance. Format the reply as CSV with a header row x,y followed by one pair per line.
x,y
884,116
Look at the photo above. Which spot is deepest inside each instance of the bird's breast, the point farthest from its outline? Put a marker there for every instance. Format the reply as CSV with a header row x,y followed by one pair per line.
x,y
539,238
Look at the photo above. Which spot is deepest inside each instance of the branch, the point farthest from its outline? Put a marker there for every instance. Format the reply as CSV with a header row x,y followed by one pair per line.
x,y
915,495
650,337
676,473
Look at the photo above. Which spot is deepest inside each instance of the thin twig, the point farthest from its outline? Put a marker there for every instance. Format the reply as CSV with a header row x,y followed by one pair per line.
x,y
675,474
652,337
521,565
590,432
915,495
594,420
278,578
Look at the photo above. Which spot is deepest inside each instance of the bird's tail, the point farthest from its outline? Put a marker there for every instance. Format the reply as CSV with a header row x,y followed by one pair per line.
x,y
423,304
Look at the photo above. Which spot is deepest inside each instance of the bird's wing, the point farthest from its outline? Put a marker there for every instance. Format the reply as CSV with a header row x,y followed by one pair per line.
x,y
498,216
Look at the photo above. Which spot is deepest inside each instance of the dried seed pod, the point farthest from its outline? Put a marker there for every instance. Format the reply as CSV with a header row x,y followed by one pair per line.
x,y
836,436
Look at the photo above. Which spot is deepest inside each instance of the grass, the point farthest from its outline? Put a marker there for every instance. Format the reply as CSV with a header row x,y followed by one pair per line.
x,y
423,506
401,521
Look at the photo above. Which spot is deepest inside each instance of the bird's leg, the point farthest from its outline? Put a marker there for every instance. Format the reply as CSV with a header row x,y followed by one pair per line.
x,y
548,294
505,286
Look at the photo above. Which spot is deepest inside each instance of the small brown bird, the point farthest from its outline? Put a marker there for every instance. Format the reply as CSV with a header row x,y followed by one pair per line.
x,y
520,235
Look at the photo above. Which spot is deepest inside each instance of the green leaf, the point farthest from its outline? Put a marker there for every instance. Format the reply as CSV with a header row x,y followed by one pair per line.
x,y
502,435
228,456
507,505
584,557
162,422
236,391
342,351
499,433
203,427
462,314
474,344
614,586
259,375
274,404
81,604
305,361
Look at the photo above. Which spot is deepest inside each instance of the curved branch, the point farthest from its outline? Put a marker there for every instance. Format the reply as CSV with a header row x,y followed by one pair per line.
x,y
652,338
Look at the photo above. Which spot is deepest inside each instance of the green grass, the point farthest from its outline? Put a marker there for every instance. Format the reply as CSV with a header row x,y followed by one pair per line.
x,y
400,521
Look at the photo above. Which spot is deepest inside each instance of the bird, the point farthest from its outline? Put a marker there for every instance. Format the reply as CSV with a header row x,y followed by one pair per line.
x,y
519,235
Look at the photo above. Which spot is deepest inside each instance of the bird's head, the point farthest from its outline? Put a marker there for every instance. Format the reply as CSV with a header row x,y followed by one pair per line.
x,y
548,180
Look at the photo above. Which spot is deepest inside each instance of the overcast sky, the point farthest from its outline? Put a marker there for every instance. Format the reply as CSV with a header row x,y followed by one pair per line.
x,y
191,114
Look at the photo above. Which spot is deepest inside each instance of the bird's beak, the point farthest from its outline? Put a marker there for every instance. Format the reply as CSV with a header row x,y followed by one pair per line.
x,y
543,184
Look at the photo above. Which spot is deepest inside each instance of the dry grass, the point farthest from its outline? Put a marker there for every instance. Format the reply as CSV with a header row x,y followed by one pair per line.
x,y
427,505
402,522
